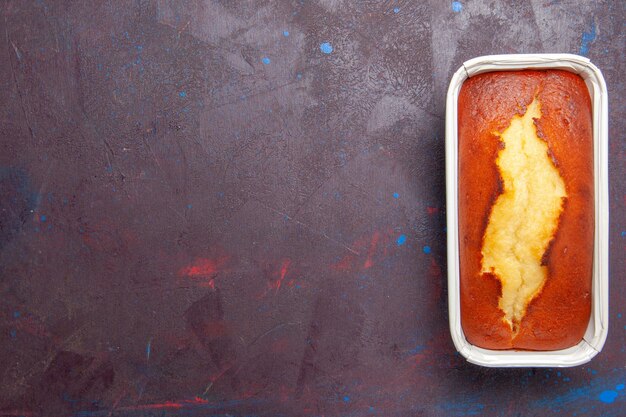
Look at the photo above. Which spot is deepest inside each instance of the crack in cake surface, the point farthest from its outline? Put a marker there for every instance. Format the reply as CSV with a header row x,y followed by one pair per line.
x,y
524,217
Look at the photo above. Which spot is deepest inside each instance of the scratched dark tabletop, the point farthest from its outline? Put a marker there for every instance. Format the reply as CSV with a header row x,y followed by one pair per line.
x,y
238,208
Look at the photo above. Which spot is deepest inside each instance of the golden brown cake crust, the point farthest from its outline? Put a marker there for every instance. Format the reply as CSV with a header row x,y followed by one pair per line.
x,y
558,316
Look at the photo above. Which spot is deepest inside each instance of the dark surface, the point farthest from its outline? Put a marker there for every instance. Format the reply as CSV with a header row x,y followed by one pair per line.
x,y
190,229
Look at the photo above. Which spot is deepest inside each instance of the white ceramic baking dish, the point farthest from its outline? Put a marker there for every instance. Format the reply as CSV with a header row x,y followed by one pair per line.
x,y
598,323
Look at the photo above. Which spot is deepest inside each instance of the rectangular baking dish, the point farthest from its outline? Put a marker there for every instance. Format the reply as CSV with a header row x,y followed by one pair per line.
x,y
597,328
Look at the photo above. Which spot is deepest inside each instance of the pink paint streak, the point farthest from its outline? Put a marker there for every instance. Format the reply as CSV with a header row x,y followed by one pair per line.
x,y
281,275
345,264
204,270
376,246
371,251
167,405
283,272
280,345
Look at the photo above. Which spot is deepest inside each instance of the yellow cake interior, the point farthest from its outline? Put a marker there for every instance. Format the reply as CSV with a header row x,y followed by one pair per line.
x,y
524,217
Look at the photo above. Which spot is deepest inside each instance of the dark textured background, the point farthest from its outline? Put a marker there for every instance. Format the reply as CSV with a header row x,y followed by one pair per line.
x,y
237,208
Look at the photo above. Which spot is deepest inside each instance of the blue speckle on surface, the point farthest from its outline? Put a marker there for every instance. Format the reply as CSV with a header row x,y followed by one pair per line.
x,y
109,169
587,38
417,349
608,396
396,10
619,387
619,315
183,94
396,195
43,217
401,240
346,399
457,6
426,249
13,333
624,233
371,409
16,314
148,349
299,76
139,47
285,33
266,60
189,206
326,47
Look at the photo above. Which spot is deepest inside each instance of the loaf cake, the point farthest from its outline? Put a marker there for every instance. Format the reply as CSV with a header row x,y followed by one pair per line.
x,y
526,209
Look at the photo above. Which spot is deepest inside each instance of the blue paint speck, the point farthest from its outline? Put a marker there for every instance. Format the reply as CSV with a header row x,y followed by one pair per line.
x,y
43,217
426,249
266,60
346,399
587,38
401,240
396,195
624,233
183,94
619,387
396,10
16,314
13,333
148,349
299,76
285,33
417,349
619,315
608,396
189,206
108,169
371,409
139,47
326,47
457,6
